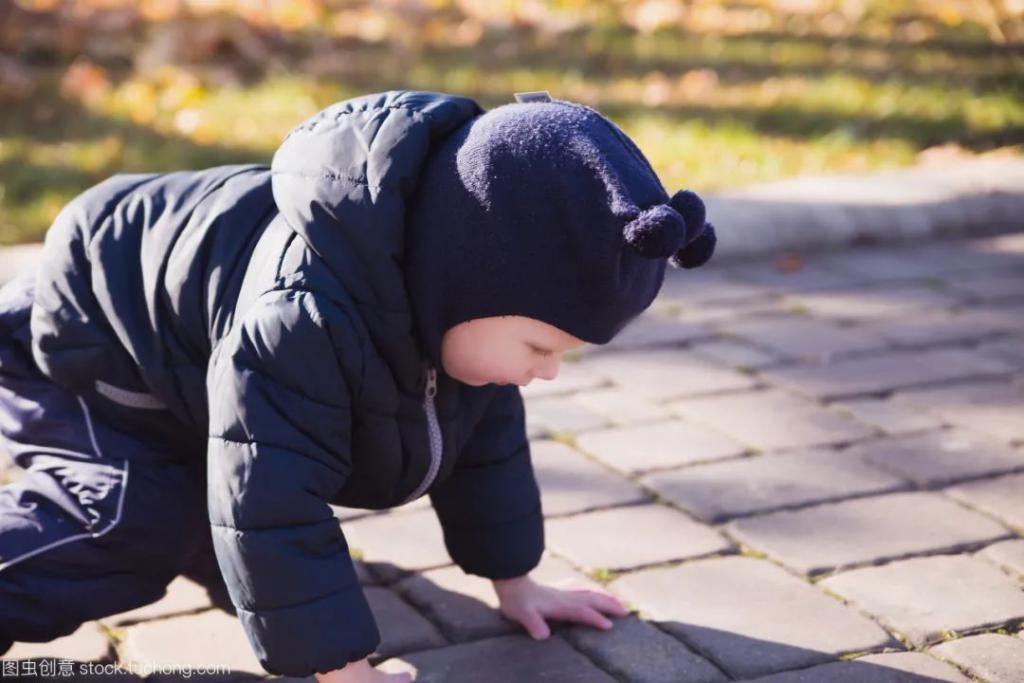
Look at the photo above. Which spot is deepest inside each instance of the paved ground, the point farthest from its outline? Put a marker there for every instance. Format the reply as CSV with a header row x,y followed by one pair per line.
x,y
792,471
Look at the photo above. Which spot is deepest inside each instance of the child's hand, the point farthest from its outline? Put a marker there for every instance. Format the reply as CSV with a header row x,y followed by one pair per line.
x,y
524,601
361,672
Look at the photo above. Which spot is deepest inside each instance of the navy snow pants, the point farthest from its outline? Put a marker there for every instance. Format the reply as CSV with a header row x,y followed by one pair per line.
x,y
103,518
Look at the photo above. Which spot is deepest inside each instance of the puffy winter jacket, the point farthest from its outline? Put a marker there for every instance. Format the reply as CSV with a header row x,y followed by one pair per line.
x,y
258,316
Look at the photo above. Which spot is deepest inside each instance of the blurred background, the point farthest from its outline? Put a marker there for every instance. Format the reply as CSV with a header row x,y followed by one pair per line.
x,y
717,93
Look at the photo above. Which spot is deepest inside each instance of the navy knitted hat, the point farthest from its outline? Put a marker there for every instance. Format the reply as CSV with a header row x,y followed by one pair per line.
x,y
544,209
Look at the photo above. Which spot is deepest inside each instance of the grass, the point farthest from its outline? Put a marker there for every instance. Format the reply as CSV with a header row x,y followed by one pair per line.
x,y
710,111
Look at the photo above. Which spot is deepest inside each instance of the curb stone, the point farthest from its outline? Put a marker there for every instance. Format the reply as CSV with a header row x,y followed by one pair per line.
x,y
967,198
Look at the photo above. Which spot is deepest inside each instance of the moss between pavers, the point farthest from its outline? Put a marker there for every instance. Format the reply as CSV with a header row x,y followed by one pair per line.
x,y
568,438
797,309
116,636
855,655
603,576
747,551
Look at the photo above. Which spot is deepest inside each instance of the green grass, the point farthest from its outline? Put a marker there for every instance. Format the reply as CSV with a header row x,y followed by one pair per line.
x,y
709,111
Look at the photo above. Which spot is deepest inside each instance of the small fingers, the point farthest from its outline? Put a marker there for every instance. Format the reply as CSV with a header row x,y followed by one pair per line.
x,y
583,614
608,603
535,625
596,619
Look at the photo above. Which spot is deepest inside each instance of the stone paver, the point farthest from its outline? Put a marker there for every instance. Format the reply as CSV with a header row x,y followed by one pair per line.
x,y
990,407
621,407
1008,349
871,302
207,639
772,419
989,287
705,286
462,605
547,416
1006,554
810,276
923,597
736,354
885,372
465,607
720,491
1000,497
889,416
802,337
507,659
940,457
990,656
632,536
87,644
892,667
664,374
749,616
713,316
392,544
570,483
931,329
887,264
839,535
402,628
572,377
638,652
656,445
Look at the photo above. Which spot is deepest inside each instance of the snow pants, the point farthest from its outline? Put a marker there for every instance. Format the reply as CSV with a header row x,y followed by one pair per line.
x,y
103,517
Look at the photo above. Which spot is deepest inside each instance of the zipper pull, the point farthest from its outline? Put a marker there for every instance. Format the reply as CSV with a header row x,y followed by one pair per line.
x,y
431,382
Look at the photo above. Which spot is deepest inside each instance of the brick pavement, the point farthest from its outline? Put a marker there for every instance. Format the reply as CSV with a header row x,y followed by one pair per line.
x,y
788,476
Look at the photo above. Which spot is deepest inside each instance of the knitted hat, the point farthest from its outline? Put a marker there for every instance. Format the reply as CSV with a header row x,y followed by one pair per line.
x,y
544,209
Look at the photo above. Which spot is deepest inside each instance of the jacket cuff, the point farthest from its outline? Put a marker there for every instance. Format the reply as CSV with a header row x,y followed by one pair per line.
x,y
502,550
313,637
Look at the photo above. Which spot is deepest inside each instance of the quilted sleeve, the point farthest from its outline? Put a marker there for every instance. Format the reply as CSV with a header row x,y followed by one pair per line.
x,y
490,508
279,437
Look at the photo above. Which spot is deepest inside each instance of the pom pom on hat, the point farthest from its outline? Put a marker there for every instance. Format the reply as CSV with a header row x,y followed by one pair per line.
x,y
658,232
700,236
691,208
697,252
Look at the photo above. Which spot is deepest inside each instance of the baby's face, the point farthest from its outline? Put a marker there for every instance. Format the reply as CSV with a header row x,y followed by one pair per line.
x,y
507,349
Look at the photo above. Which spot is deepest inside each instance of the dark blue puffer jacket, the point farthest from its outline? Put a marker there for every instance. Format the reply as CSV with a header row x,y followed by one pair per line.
x,y
260,315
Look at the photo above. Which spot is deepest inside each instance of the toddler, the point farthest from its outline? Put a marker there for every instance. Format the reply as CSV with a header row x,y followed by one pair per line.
x,y
205,361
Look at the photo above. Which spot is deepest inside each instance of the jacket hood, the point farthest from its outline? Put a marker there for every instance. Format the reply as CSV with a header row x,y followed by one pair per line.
x,y
343,180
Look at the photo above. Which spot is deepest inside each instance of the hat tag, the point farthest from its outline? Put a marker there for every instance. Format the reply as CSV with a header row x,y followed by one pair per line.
x,y
533,96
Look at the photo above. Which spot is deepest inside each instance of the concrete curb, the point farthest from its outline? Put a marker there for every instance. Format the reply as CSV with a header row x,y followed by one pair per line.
x,y
970,198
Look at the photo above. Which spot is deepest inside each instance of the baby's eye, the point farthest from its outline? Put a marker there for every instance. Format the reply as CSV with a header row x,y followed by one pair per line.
x,y
541,352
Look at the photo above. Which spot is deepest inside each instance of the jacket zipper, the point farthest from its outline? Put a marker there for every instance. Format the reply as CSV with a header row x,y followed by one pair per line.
x,y
433,436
